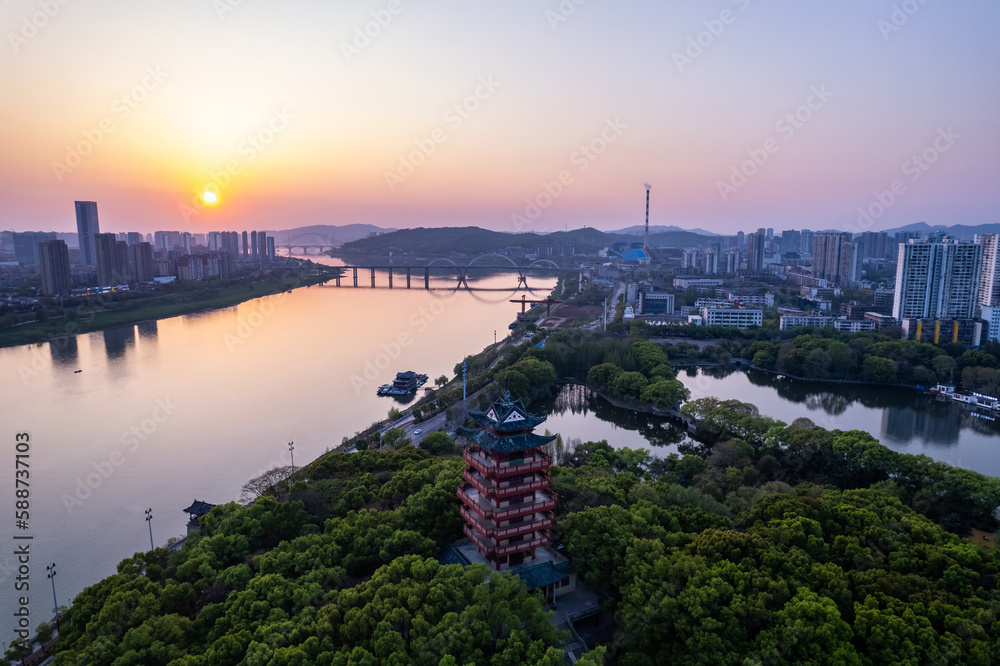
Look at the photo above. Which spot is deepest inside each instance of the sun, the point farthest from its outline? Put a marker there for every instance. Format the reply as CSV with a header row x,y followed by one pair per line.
x,y
210,197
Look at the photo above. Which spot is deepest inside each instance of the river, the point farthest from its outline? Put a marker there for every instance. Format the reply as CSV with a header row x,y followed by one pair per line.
x,y
163,413
902,419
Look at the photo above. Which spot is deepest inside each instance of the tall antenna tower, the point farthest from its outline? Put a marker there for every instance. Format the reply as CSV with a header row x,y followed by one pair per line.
x,y
645,238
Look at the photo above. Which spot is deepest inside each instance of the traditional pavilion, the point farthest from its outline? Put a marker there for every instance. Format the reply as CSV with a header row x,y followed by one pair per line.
x,y
195,512
508,506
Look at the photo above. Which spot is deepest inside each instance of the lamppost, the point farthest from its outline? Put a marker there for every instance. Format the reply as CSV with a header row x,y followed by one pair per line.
x,y
149,521
51,575
291,451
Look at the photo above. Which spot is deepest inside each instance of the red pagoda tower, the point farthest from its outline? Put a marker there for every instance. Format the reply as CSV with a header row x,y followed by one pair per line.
x,y
508,506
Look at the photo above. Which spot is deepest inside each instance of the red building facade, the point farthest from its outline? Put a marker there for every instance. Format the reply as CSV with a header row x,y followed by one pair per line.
x,y
507,504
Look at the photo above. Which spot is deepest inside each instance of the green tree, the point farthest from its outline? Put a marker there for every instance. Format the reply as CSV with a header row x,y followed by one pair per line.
x,y
879,370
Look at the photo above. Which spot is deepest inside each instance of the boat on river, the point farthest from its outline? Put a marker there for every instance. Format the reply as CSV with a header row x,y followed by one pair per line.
x,y
406,383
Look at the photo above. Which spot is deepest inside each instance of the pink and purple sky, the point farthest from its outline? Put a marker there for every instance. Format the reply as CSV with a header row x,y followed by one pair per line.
x,y
465,113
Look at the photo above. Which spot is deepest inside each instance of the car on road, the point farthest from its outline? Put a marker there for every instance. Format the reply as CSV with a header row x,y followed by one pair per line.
x,y
417,431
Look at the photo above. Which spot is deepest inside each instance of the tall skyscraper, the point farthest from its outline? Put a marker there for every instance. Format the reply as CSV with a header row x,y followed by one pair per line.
x,y
87,226
791,241
26,246
874,245
989,278
849,272
112,260
826,253
807,241
134,238
53,257
140,260
755,251
246,245
270,248
937,278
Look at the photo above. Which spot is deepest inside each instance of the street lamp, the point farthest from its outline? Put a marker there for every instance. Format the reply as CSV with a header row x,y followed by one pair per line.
x,y
51,575
149,521
291,451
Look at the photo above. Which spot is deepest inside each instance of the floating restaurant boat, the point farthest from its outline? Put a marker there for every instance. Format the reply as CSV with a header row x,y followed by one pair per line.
x,y
406,383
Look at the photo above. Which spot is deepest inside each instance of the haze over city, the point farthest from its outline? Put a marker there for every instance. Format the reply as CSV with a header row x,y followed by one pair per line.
x,y
740,114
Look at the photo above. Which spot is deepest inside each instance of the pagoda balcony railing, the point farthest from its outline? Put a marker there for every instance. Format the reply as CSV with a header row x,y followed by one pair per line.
x,y
544,461
505,532
502,551
499,493
488,513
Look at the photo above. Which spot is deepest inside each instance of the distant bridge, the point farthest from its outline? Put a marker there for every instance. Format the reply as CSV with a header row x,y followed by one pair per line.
x,y
309,241
483,264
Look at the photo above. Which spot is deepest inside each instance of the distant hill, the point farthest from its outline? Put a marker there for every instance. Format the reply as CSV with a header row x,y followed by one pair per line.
x,y
475,241
960,231
341,234
659,228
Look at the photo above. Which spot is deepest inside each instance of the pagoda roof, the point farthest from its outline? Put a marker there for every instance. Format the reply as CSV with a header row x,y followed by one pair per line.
x,y
199,508
506,415
543,574
518,442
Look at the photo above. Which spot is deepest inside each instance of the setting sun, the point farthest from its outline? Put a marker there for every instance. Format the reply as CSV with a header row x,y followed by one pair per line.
x,y
209,197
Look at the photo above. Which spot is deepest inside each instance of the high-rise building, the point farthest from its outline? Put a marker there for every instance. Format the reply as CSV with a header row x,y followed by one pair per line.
x,y
53,257
270,248
112,260
791,241
849,272
253,244
937,278
246,245
874,245
87,226
140,261
807,241
134,238
826,252
989,278
26,246
755,251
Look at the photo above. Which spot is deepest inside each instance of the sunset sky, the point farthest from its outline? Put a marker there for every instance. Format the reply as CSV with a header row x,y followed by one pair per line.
x,y
461,112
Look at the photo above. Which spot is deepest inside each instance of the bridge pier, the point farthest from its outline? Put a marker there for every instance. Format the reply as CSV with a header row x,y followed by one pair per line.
x,y
355,277
338,279
427,278
390,277
407,277
462,280
373,278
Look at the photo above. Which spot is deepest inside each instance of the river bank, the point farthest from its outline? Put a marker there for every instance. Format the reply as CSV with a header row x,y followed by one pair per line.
x,y
167,305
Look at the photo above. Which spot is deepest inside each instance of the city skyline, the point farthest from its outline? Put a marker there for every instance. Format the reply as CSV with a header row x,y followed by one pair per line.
x,y
514,117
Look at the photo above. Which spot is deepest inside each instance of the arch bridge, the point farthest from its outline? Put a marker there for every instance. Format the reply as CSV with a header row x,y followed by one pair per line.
x,y
482,265
308,241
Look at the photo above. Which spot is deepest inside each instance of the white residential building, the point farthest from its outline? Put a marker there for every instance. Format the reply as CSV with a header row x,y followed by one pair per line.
x,y
732,317
937,278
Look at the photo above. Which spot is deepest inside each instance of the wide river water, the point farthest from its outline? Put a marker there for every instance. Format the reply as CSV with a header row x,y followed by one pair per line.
x,y
160,414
